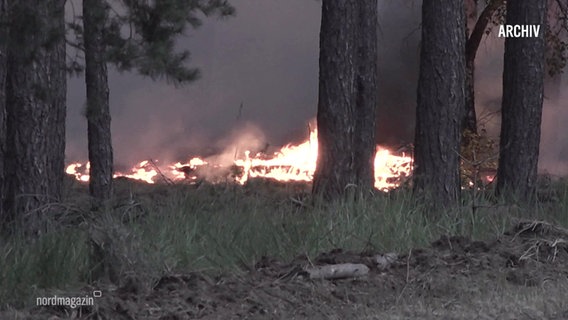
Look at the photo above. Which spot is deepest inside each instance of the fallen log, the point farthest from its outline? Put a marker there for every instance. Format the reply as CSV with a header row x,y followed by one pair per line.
x,y
338,271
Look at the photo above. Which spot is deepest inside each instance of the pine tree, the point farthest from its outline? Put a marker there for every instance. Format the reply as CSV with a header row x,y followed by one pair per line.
x,y
347,98
4,33
441,102
148,49
35,92
98,110
556,54
523,90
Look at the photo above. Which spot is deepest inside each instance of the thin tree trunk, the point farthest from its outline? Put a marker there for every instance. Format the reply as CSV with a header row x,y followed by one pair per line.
x,y
4,33
98,111
58,89
441,102
523,78
472,45
35,106
347,98
471,116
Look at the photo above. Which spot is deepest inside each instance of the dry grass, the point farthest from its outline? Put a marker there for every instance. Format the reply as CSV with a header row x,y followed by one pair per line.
x,y
152,231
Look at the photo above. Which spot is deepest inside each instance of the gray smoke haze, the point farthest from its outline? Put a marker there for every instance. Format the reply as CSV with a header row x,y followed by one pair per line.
x,y
489,88
266,58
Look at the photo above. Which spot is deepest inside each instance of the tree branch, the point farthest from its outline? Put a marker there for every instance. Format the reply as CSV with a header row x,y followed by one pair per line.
x,y
563,7
474,40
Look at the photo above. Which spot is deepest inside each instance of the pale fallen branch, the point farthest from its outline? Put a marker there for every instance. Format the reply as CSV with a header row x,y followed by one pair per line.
x,y
338,271
298,202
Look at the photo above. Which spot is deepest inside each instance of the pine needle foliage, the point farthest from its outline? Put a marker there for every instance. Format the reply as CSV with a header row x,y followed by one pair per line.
x,y
140,35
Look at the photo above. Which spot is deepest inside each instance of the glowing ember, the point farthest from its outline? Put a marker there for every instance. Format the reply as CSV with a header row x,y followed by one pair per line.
x,y
290,163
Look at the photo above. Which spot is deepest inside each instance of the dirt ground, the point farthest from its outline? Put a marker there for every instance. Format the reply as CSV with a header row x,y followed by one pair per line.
x,y
521,275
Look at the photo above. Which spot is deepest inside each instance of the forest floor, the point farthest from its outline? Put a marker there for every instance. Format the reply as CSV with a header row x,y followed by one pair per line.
x,y
519,273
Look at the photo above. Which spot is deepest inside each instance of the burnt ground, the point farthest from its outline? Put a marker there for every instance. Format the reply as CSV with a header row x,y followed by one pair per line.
x,y
521,275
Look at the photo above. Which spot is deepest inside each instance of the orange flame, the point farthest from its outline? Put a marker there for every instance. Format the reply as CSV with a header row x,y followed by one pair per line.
x,y
141,171
290,163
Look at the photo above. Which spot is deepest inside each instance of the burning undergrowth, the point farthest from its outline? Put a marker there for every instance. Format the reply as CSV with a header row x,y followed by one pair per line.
x,y
247,156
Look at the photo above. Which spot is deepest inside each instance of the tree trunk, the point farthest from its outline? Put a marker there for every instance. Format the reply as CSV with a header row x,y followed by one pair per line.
x,y
470,121
98,111
472,45
347,98
4,33
58,89
470,115
523,78
441,102
35,106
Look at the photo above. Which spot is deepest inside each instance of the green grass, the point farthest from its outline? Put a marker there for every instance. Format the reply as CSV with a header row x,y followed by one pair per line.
x,y
56,260
223,229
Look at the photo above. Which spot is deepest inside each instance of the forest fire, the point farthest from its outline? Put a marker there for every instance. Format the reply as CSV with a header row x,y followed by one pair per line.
x,y
290,163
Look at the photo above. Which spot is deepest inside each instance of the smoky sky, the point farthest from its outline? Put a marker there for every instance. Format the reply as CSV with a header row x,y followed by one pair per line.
x,y
259,82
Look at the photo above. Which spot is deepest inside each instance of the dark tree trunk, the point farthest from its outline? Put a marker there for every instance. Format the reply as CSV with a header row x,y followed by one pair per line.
x,y
4,33
523,78
441,102
58,89
35,104
470,122
347,98
98,111
472,44
470,115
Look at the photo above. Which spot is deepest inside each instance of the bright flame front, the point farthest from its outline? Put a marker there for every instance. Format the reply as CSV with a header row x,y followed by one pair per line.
x,y
290,163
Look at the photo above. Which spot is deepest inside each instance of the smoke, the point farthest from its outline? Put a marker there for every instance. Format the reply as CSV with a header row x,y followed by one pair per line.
x,y
399,57
554,145
246,138
259,86
553,156
265,59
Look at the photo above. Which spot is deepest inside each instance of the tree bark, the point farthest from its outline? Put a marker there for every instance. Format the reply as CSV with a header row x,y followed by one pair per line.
x,y
347,98
523,78
98,110
35,106
4,33
58,89
441,102
471,116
